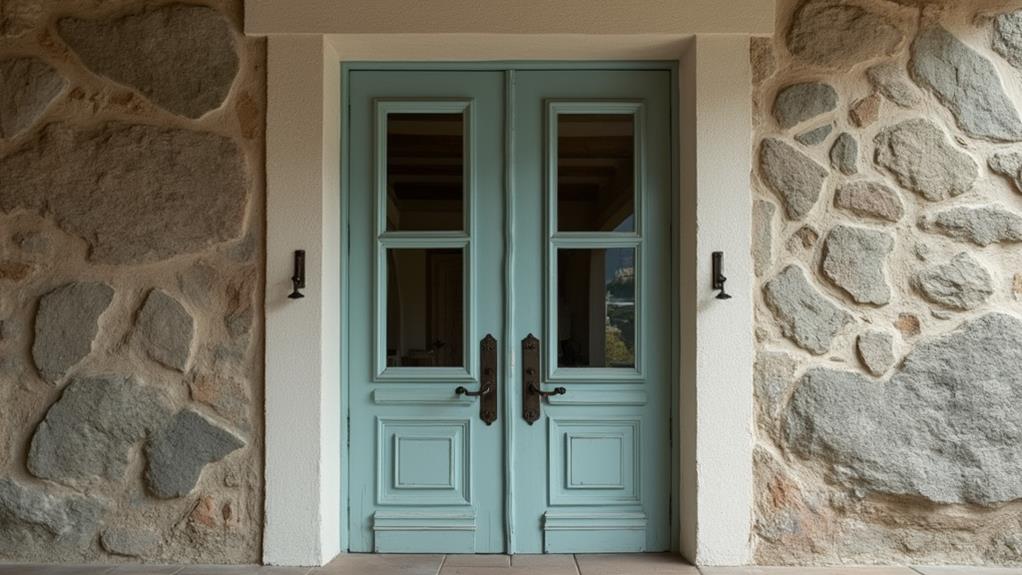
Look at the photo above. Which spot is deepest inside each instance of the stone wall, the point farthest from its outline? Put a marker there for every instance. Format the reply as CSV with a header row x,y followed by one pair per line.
x,y
131,274
889,322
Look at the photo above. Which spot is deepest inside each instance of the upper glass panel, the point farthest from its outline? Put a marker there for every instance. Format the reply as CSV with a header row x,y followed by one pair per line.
x,y
596,307
596,172
425,172
425,307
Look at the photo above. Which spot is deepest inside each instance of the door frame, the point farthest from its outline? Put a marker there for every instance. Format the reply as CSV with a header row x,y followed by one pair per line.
x,y
305,438
510,344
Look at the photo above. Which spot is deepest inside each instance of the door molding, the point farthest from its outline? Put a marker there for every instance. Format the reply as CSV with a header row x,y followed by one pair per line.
x,y
305,346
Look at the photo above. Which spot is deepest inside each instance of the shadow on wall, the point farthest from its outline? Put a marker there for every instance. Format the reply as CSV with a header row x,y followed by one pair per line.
x,y
888,243
131,263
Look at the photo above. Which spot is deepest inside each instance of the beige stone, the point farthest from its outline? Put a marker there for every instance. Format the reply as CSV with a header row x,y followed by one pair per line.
x,y
866,112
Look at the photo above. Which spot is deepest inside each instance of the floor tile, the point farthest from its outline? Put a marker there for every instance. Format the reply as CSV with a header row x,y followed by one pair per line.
x,y
635,564
837,570
54,569
367,564
145,570
477,561
220,570
508,571
562,561
956,570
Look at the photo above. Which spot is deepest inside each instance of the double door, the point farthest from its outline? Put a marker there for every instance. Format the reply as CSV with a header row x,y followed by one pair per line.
x,y
509,282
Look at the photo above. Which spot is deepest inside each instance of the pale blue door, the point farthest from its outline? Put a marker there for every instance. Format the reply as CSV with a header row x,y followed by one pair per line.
x,y
509,233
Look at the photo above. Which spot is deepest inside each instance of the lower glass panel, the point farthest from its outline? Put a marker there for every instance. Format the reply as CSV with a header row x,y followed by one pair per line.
x,y
596,307
425,307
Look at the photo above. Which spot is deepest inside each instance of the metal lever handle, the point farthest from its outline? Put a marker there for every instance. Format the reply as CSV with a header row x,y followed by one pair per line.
x,y
545,394
462,390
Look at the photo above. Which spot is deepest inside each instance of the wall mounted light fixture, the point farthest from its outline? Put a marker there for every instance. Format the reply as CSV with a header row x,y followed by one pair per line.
x,y
718,275
298,280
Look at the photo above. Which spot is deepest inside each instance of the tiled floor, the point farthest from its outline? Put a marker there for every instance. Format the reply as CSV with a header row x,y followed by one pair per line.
x,y
645,564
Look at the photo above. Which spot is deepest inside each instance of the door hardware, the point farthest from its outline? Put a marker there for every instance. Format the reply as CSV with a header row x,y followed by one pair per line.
x,y
487,382
532,394
298,280
545,394
718,275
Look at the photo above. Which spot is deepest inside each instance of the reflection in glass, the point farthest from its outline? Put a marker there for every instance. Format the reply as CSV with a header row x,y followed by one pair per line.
x,y
596,307
595,172
424,308
425,172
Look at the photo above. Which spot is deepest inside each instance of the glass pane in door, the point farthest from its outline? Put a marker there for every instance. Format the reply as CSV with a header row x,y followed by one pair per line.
x,y
595,172
425,171
425,308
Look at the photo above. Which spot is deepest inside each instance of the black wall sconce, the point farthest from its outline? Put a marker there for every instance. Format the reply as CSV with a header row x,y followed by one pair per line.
x,y
298,280
718,275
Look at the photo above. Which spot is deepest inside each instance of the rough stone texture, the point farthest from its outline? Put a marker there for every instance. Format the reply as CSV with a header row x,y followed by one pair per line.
x,y
963,283
909,325
805,315
803,239
135,193
27,87
982,225
31,516
800,102
66,324
876,351
773,378
866,111
838,35
854,259
967,83
1009,165
924,161
1008,37
762,58
177,453
132,542
763,236
967,383
165,329
1016,287
792,175
844,154
181,57
815,136
88,436
871,200
890,80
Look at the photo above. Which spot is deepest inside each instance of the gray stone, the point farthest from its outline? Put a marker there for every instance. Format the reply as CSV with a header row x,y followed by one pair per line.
x,y
181,57
967,83
876,351
805,315
963,283
888,79
164,329
1009,165
27,86
870,199
838,35
854,259
134,193
1008,37
762,58
31,516
945,428
177,453
773,378
800,102
844,154
982,225
31,242
89,434
130,541
763,235
816,136
924,161
792,175
66,324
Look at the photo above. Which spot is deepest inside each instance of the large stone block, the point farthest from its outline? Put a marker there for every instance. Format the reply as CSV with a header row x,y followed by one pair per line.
x,y
1009,165
876,351
844,154
177,453
924,161
890,80
27,86
967,83
89,435
794,177
1008,37
945,428
870,199
763,235
840,35
855,259
983,225
800,102
963,283
134,193
181,57
30,516
164,329
66,324
805,315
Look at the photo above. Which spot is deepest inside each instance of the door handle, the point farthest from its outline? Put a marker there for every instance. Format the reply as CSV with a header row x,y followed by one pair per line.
x,y
487,381
532,394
